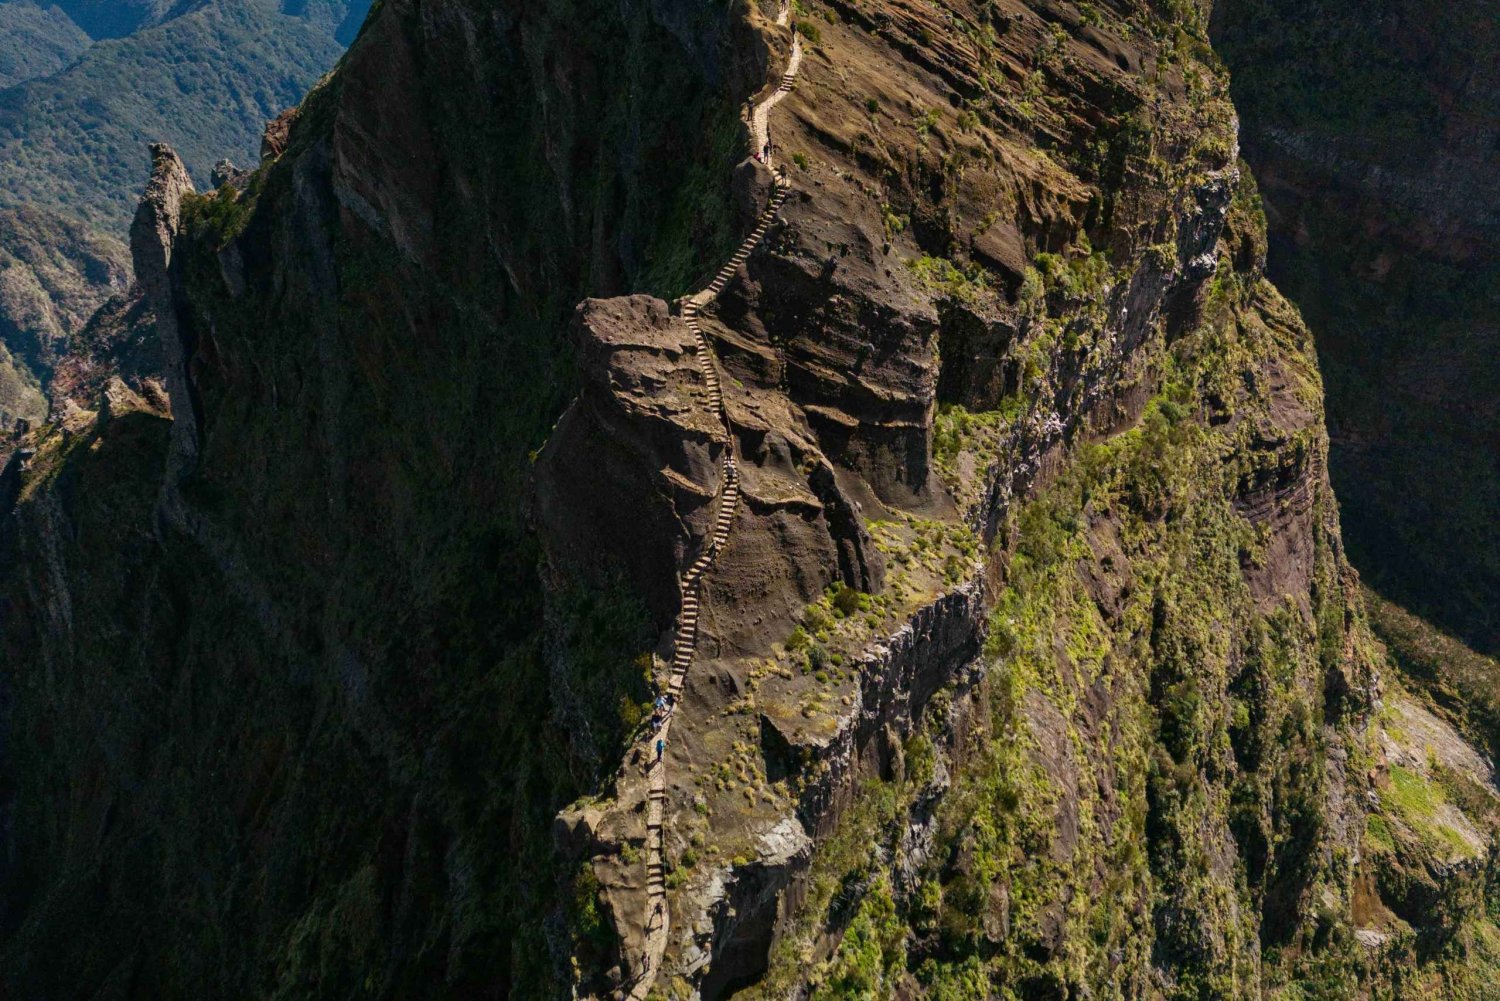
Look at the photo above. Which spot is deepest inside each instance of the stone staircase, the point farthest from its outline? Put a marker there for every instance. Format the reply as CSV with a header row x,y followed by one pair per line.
x,y
685,643
760,119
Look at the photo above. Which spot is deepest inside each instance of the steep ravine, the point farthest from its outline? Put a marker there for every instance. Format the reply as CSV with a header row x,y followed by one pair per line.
x,y
1032,665
1375,132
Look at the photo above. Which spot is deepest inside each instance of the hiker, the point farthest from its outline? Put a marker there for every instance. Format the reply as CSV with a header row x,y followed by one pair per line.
x,y
671,700
661,745
661,702
656,721
768,150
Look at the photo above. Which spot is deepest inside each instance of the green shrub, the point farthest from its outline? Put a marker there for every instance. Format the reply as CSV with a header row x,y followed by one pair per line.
x,y
816,618
845,600
943,276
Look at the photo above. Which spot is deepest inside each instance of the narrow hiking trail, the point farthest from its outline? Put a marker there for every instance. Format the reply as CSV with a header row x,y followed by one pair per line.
x,y
685,644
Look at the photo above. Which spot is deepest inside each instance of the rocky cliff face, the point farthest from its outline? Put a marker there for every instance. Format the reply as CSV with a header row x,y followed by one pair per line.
x,y
1373,134
1032,665
1030,352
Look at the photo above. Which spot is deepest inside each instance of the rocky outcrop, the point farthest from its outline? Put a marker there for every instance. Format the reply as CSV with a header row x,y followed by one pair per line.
x,y
225,172
278,130
898,677
627,478
157,220
851,344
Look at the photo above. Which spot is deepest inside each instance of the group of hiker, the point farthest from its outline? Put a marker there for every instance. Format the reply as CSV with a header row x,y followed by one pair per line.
x,y
659,713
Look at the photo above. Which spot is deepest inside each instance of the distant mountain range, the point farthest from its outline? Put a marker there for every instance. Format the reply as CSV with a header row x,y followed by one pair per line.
x,y
84,86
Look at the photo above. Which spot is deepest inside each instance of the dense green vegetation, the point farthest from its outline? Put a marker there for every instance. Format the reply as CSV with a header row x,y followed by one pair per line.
x,y
118,18
204,81
36,40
